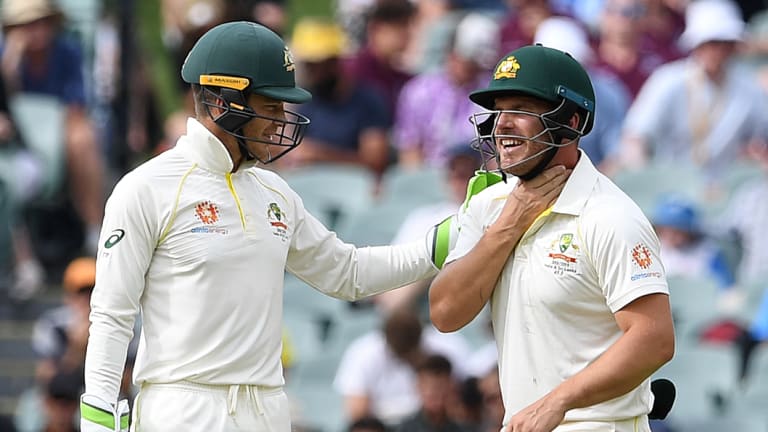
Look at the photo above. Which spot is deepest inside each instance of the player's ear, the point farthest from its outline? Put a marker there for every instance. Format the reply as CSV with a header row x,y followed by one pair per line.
x,y
574,120
217,105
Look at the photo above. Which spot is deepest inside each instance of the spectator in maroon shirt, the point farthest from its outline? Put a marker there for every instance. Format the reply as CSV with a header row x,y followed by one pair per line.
x,y
624,49
380,61
519,26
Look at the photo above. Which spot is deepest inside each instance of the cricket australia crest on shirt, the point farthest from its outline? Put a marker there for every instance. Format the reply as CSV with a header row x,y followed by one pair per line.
x,y
276,219
209,214
563,255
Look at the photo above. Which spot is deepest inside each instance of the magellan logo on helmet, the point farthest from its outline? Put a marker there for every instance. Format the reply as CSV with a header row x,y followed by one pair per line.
x,y
507,68
288,60
236,83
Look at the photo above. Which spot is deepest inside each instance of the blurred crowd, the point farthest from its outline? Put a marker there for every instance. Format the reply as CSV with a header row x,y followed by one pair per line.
x,y
682,99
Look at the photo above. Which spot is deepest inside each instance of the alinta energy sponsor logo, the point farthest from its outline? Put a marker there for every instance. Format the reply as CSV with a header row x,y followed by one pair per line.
x,y
208,213
639,276
641,256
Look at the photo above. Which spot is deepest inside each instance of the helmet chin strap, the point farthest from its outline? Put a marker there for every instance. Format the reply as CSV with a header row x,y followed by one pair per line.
x,y
247,155
549,154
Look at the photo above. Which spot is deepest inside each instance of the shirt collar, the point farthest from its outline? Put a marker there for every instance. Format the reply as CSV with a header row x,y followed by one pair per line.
x,y
204,148
578,187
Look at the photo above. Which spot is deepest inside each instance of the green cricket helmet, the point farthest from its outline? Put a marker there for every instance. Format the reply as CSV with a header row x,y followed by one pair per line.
x,y
245,56
543,73
234,59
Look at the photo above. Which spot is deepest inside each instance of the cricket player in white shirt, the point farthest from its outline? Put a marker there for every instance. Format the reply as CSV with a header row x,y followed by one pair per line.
x,y
579,298
198,240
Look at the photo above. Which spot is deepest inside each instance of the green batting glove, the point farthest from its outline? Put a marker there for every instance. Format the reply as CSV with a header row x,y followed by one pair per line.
x,y
98,415
442,237
481,180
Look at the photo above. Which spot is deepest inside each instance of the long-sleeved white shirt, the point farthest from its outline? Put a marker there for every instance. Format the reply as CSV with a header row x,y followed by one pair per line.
x,y
201,252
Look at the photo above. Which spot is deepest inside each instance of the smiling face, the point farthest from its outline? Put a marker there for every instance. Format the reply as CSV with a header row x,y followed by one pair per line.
x,y
266,127
516,130
521,139
259,123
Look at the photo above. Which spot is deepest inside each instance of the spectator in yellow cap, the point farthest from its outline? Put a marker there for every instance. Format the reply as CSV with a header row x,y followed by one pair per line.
x,y
349,119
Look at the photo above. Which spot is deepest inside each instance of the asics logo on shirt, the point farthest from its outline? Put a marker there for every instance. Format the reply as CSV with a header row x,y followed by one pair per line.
x,y
114,238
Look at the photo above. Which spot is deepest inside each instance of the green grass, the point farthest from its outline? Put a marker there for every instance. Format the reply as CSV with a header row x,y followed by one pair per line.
x,y
158,62
303,8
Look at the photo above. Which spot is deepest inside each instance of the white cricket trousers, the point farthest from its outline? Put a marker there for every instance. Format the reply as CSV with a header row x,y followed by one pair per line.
x,y
637,424
191,407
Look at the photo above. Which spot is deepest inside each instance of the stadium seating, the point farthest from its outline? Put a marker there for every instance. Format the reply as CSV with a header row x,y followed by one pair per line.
x,y
647,184
317,407
694,302
300,298
376,225
303,333
332,192
736,175
17,359
47,142
310,381
705,376
741,423
414,187
756,382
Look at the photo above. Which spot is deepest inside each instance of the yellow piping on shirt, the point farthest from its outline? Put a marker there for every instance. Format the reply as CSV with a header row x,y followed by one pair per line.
x,y
175,204
541,215
237,199
269,187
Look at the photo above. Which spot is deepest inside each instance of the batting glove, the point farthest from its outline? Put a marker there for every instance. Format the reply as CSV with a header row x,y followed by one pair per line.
x,y
442,237
98,415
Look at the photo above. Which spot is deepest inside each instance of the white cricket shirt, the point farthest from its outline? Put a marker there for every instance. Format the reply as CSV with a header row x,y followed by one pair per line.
x,y
580,262
202,253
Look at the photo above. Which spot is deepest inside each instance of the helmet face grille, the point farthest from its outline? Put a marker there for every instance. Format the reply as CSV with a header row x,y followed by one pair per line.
x,y
290,132
556,132
290,128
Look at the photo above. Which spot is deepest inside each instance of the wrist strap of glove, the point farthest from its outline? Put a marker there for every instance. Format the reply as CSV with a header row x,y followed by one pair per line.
x,y
98,415
441,242
442,237
481,180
